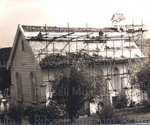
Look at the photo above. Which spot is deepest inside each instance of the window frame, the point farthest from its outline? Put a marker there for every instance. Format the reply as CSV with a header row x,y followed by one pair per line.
x,y
33,87
116,85
18,87
22,45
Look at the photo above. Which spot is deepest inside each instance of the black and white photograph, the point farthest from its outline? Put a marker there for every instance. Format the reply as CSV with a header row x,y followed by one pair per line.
x,y
74,62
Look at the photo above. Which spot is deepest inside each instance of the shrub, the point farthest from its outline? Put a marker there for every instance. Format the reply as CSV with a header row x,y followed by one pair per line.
x,y
146,103
16,112
27,110
132,104
44,115
119,118
121,102
106,114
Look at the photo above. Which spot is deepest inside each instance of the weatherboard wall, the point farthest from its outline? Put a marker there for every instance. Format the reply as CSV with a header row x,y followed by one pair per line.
x,y
23,63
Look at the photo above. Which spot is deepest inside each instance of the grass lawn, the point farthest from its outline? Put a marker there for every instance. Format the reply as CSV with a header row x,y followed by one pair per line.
x,y
123,116
137,115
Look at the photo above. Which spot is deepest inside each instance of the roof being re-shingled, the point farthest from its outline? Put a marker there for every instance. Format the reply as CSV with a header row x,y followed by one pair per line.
x,y
102,43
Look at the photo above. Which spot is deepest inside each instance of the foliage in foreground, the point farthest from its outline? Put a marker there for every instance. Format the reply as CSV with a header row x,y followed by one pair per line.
x,y
142,80
36,114
16,112
44,115
109,115
71,91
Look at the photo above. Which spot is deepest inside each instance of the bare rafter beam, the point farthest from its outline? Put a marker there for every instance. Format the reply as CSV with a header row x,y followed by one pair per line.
x,y
74,38
52,41
82,36
64,47
101,40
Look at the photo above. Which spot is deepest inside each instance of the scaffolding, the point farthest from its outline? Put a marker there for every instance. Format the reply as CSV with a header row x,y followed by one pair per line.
x,y
67,46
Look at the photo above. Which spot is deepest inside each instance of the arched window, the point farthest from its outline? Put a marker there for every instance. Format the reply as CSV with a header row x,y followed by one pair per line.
x,y
115,78
33,87
19,87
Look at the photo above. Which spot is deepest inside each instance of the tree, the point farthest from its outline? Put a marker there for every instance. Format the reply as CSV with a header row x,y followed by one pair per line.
x,y
5,80
5,77
71,91
142,79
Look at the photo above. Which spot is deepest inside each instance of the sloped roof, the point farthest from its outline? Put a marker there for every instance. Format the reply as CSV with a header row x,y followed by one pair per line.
x,y
15,43
59,40
117,17
116,47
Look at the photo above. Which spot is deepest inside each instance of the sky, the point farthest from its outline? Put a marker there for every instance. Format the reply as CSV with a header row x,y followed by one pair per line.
x,y
78,13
